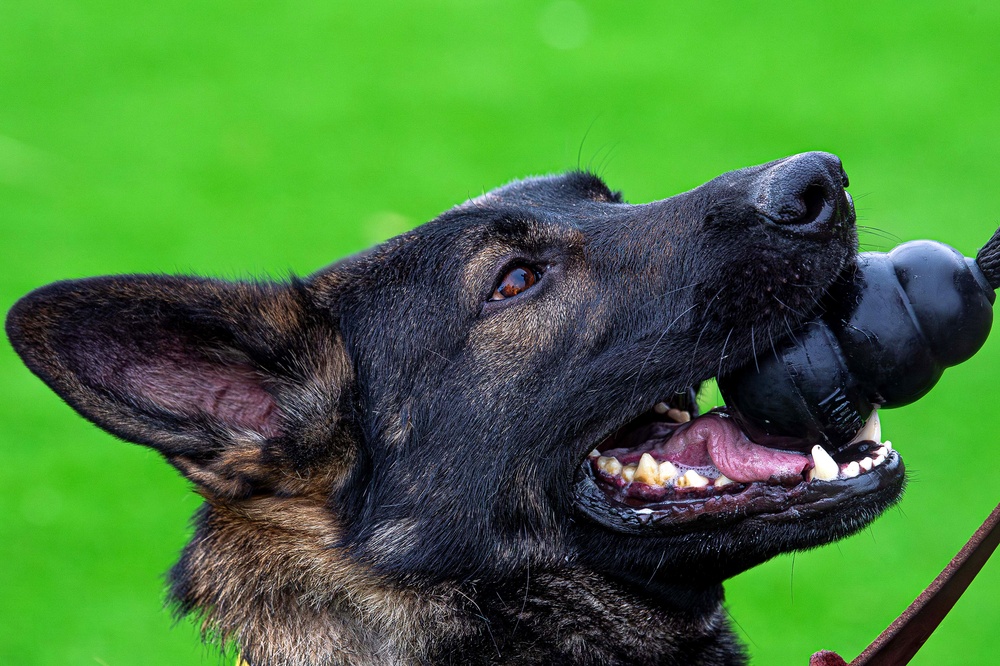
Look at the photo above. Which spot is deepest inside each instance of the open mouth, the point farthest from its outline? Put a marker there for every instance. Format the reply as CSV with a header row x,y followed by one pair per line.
x,y
671,466
673,469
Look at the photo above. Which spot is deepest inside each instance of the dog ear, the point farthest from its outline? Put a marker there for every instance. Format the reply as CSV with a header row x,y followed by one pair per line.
x,y
236,384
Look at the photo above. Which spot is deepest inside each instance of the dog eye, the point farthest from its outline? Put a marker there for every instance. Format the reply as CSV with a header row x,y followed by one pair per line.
x,y
517,280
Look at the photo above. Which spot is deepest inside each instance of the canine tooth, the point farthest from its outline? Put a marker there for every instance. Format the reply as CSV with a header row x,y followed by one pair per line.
x,y
692,479
594,454
723,480
644,511
647,471
871,431
866,464
661,408
852,469
666,471
628,472
679,415
610,465
879,459
888,446
825,468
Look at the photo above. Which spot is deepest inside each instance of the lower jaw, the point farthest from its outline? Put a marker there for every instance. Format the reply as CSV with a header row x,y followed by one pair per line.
x,y
760,501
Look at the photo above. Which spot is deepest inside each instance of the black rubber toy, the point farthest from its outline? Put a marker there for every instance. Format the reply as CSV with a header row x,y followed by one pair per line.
x,y
892,325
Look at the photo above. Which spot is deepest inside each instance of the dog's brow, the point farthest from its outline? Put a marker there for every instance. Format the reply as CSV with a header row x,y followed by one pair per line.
x,y
482,264
531,234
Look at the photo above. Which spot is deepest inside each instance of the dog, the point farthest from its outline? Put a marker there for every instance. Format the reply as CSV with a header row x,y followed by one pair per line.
x,y
431,452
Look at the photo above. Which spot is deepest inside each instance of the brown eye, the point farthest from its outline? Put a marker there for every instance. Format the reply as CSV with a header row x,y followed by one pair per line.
x,y
517,280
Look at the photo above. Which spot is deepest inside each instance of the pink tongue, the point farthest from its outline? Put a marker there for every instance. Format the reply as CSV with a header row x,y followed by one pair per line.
x,y
735,455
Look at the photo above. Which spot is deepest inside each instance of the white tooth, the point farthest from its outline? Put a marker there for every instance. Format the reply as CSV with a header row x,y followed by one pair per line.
x,y
723,480
647,471
825,468
610,465
866,464
628,472
881,451
693,479
871,431
679,415
595,454
888,445
666,472
852,469
644,511
661,408
879,459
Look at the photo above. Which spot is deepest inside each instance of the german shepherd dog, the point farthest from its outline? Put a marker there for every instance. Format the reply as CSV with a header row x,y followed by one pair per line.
x,y
431,452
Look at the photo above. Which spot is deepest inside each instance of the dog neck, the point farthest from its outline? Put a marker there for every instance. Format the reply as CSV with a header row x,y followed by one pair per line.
x,y
271,579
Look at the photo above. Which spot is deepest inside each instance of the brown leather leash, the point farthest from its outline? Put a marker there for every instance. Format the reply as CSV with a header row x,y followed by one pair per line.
x,y
908,632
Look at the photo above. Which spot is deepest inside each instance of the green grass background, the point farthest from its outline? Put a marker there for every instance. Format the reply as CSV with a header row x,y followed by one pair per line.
x,y
257,138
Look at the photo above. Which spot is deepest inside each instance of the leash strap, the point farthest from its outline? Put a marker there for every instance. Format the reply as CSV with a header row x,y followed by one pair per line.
x,y
988,259
900,641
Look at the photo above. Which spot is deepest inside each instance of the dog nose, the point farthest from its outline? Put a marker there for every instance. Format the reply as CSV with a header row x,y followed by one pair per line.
x,y
803,192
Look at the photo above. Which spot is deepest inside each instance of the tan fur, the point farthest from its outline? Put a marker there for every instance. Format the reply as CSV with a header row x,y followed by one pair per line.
x,y
269,577
393,463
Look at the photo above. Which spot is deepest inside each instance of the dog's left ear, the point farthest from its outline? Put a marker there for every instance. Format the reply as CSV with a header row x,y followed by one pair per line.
x,y
237,384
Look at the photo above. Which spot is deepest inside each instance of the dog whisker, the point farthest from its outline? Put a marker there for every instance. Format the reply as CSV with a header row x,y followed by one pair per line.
x,y
788,307
791,331
656,569
791,580
439,355
722,354
661,296
579,150
770,338
708,322
524,601
483,617
881,233
642,366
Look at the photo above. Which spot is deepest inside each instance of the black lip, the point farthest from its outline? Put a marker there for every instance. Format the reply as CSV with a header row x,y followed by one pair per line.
x,y
759,500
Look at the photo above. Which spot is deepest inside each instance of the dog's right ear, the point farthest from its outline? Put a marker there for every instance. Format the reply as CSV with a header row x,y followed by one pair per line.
x,y
239,385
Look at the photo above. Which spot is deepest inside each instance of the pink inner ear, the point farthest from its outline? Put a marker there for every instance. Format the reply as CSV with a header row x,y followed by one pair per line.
x,y
233,393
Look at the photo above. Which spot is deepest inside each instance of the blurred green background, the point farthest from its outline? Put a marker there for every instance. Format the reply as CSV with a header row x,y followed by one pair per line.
x,y
258,138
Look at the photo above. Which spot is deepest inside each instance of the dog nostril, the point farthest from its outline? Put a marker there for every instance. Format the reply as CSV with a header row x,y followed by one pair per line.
x,y
802,191
813,204
814,200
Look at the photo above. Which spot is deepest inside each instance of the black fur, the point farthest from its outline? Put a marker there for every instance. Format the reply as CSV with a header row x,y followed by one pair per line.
x,y
387,421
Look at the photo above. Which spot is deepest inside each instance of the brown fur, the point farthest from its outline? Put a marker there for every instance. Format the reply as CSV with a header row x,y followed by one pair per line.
x,y
394,462
268,576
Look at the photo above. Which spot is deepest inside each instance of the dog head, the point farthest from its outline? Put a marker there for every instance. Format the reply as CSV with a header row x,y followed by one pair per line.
x,y
437,399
